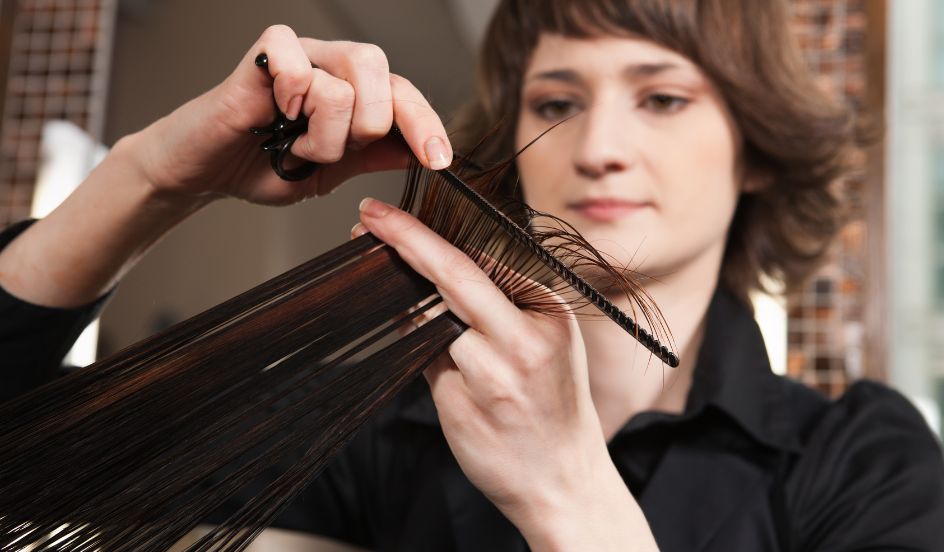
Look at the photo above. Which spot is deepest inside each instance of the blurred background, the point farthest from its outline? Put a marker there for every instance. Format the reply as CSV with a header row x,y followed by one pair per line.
x,y
76,75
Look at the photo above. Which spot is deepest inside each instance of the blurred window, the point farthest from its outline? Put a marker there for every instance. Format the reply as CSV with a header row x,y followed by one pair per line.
x,y
915,203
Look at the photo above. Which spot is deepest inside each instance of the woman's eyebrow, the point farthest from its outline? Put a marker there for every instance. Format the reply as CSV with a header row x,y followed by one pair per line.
x,y
635,70
563,75
648,69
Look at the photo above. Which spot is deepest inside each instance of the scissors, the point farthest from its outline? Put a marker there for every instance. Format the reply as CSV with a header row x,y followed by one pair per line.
x,y
282,133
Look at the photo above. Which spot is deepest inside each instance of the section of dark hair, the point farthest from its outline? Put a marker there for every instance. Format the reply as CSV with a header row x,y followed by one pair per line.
x,y
134,451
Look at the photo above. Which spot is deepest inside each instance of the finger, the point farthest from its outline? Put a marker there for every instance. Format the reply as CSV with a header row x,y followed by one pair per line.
x,y
460,397
442,363
329,102
475,356
447,386
420,125
358,230
466,290
288,65
365,66
418,121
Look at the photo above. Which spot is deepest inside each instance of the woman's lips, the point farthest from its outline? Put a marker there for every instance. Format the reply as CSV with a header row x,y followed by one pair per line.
x,y
606,210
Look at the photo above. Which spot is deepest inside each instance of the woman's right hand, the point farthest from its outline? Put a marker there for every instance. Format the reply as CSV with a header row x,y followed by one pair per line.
x,y
204,148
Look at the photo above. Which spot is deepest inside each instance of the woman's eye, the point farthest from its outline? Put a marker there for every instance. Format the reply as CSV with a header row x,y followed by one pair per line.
x,y
664,103
555,110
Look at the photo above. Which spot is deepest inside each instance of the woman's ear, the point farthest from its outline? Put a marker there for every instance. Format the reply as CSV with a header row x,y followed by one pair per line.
x,y
756,181
752,177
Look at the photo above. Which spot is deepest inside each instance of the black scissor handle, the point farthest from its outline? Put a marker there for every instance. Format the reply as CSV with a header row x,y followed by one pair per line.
x,y
282,134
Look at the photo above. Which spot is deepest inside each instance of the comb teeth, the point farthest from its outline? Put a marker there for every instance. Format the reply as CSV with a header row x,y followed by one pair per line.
x,y
555,265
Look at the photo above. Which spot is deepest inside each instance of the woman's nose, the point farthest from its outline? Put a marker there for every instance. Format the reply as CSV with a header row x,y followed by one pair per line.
x,y
604,143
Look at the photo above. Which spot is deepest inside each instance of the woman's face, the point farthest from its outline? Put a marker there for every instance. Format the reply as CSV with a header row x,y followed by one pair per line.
x,y
646,168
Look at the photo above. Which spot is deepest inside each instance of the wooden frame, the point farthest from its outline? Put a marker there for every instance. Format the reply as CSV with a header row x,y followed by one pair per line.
x,y
876,292
8,9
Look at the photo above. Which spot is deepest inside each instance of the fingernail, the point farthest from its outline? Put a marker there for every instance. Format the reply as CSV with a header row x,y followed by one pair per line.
x,y
436,153
374,207
358,230
294,107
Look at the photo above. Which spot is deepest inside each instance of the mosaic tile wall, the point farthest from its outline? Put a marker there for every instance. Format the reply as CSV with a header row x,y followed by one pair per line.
x,y
827,330
58,69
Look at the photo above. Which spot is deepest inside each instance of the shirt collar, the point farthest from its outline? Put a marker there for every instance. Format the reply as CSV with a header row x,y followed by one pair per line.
x,y
732,374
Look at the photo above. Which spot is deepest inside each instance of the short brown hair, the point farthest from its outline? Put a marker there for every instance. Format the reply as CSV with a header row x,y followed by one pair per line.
x,y
797,141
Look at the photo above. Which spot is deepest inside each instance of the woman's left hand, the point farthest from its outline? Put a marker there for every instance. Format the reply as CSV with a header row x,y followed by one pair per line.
x,y
514,402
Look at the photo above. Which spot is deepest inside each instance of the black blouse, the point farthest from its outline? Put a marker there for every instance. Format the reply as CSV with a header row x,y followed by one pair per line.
x,y
756,461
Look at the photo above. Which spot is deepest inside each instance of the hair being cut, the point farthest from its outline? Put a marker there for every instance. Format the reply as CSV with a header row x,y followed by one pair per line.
x,y
796,141
131,453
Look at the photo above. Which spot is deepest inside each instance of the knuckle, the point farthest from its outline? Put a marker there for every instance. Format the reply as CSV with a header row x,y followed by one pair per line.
x,y
330,155
554,331
458,267
535,352
405,224
295,79
277,30
397,226
537,362
399,80
305,147
314,149
495,386
500,399
368,131
368,56
322,151
417,109
335,95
